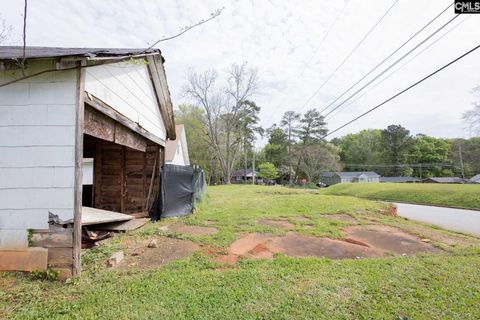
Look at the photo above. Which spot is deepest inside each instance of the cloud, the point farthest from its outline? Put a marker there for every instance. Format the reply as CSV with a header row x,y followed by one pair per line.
x,y
281,38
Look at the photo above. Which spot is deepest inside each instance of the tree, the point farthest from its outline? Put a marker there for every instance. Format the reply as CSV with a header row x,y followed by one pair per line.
x,y
312,128
360,148
318,158
468,152
249,118
268,171
430,150
472,117
396,143
199,147
276,148
290,124
224,109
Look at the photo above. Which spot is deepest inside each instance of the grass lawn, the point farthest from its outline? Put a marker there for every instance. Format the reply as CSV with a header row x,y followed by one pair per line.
x,y
456,195
426,286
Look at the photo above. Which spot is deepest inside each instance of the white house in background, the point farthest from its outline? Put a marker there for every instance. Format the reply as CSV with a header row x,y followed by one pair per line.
x,y
475,179
110,107
331,178
176,151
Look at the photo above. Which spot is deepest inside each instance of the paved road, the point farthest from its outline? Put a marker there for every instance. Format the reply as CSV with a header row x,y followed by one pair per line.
x,y
460,220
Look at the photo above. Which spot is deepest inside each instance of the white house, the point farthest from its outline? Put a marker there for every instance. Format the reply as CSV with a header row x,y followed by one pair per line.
x,y
331,178
176,151
111,106
475,179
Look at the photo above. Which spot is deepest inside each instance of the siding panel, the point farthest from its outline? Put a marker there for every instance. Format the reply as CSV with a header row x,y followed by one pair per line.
x,y
37,145
123,86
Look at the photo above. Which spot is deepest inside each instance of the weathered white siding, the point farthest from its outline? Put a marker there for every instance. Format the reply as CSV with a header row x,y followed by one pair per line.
x,y
37,144
126,87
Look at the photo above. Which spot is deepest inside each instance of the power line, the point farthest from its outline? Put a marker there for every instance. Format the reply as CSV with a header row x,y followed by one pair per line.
x,y
330,28
393,64
349,55
403,91
388,57
402,66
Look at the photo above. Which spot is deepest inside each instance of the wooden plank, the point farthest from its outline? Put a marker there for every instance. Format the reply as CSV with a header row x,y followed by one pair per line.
x,y
77,213
109,111
159,80
60,257
122,182
52,238
98,125
127,137
30,259
123,225
91,216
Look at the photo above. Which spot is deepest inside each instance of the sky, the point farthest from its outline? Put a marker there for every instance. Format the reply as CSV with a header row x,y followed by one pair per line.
x,y
294,45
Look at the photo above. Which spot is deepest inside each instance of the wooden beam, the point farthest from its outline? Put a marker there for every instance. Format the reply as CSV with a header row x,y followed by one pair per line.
x,y
115,115
159,80
128,138
78,182
99,125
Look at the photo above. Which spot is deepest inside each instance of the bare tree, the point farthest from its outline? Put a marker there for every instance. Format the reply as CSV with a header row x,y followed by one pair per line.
x,y
4,30
317,158
290,124
224,109
472,117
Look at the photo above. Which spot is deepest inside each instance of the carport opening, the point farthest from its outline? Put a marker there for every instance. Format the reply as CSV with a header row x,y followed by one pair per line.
x,y
121,169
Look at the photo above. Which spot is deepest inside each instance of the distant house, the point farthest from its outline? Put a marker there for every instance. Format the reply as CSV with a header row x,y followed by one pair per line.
x,y
400,180
475,179
176,151
330,178
443,180
241,175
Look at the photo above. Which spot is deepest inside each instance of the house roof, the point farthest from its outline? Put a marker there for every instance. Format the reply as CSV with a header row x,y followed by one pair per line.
x,y
445,179
351,174
241,172
16,52
172,145
399,179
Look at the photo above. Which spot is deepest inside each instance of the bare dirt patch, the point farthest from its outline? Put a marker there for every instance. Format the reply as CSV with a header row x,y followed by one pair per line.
x,y
168,249
389,239
301,219
280,224
295,245
264,246
341,217
189,229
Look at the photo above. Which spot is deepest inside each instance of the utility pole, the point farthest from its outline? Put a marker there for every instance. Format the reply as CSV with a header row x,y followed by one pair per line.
x,y
253,167
461,160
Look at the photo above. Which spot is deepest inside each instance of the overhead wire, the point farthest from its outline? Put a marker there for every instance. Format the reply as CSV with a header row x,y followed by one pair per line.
x,y
397,69
388,57
349,55
305,66
392,65
403,91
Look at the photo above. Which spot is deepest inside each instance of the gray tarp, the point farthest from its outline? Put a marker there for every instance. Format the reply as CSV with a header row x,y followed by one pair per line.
x,y
180,188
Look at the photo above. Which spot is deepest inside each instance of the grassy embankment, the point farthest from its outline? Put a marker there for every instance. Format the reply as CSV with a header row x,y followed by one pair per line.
x,y
440,286
454,195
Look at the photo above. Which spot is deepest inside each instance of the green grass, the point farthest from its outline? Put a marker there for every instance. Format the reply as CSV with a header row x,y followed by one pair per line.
x,y
455,195
445,286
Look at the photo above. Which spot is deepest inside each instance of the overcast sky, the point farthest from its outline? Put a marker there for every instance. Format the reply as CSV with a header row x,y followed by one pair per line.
x,y
283,40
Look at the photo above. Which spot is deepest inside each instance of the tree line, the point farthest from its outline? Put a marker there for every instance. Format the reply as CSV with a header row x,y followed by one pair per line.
x,y
222,125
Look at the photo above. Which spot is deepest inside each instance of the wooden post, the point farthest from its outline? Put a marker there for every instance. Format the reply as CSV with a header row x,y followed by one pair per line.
x,y
78,183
